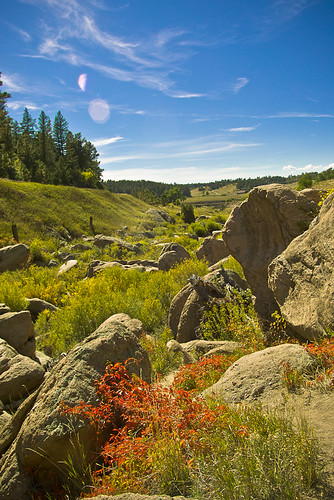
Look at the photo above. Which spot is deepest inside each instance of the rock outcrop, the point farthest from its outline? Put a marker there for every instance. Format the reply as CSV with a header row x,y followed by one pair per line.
x,y
13,256
212,250
36,306
186,309
47,438
160,216
17,329
172,254
302,279
255,374
260,229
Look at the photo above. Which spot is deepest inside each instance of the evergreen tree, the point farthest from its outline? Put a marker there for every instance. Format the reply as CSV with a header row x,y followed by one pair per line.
x,y
6,144
26,148
45,147
59,132
27,125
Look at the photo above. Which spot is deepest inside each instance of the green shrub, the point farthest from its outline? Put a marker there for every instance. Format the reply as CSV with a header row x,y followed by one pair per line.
x,y
187,213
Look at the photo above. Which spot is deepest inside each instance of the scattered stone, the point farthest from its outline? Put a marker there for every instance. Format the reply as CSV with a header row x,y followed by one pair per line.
x,y
160,216
302,279
13,257
17,329
102,241
36,306
172,254
70,264
212,250
19,375
96,266
260,229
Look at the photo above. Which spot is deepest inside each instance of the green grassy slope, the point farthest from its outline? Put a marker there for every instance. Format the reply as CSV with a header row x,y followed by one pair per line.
x,y
34,207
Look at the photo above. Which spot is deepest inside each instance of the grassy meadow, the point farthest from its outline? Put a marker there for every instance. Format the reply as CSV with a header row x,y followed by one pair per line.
x,y
171,441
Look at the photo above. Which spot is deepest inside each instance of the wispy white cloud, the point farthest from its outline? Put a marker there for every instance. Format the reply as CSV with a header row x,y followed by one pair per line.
x,y
165,154
239,84
17,105
148,61
106,141
13,82
241,129
307,168
23,34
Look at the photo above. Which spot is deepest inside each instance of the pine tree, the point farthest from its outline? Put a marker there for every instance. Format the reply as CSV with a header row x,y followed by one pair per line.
x,y
6,144
60,129
45,147
27,125
27,148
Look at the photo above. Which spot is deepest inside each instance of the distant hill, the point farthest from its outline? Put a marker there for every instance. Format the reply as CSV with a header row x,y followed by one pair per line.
x,y
35,208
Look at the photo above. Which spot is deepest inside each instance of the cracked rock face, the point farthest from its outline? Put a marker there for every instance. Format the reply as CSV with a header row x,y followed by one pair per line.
x,y
302,279
260,229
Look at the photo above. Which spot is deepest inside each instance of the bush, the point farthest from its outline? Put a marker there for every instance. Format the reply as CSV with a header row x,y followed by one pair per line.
x,y
187,213
159,441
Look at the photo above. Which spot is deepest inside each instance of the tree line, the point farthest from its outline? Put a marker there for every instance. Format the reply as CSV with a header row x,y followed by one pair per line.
x,y
45,152
152,192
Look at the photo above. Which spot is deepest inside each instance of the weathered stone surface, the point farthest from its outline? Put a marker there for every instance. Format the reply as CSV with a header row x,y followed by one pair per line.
x,y
187,306
212,250
160,216
47,437
260,229
96,266
70,264
102,241
13,256
36,306
255,374
14,423
17,329
172,254
133,324
19,375
302,278
312,194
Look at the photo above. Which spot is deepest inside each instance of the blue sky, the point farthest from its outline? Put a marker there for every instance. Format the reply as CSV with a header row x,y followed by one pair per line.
x,y
179,90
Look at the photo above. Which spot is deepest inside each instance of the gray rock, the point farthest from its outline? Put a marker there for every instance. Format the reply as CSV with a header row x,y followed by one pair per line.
x,y
260,229
102,241
302,279
4,309
36,306
258,373
13,257
17,329
171,255
133,324
47,437
160,216
19,375
70,264
212,250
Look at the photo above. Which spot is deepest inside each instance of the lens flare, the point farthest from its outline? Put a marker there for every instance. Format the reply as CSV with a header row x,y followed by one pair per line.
x,y
82,81
99,110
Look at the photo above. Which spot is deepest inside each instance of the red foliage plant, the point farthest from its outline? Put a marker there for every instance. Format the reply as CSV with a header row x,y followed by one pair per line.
x,y
137,416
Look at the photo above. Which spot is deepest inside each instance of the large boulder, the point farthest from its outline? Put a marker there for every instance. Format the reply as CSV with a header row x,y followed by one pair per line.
x,y
19,375
256,374
302,279
48,438
260,229
13,257
17,329
186,309
212,250
36,306
172,254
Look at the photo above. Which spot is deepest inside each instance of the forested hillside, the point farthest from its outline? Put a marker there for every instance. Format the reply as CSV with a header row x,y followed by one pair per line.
x,y
45,152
